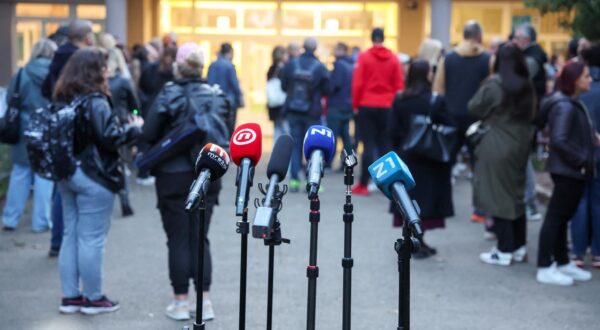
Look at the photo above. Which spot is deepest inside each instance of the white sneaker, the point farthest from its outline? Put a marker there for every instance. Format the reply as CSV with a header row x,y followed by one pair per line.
x,y
520,254
178,310
551,275
149,181
575,272
208,313
495,257
372,187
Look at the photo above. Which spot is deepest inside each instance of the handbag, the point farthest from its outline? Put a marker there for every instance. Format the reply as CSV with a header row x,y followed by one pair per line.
x,y
275,95
429,139
204,122
10,122
475,132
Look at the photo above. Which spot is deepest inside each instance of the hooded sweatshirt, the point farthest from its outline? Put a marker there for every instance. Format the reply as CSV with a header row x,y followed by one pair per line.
x,y
377,77
32,78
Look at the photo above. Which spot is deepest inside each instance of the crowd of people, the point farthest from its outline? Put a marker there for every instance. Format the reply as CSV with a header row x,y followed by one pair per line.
x,y
497,102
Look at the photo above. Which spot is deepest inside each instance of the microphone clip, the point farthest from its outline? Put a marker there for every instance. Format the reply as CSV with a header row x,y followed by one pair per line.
x,y
271,233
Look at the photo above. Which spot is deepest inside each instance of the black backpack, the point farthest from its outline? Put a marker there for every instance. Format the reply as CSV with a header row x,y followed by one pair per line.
x,y
50,139
206,120
300,94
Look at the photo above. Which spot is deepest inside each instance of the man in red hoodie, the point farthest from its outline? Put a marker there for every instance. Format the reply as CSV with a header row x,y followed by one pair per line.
x,y
377,78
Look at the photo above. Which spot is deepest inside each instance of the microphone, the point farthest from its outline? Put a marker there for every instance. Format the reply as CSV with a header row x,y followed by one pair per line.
x,y
319,146
276,171
212,163
393,178
246,149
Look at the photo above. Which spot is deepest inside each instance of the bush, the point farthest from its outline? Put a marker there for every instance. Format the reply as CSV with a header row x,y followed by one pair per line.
x,y
584,22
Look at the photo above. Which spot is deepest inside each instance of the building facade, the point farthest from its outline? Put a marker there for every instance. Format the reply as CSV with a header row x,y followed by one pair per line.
x,y
255,27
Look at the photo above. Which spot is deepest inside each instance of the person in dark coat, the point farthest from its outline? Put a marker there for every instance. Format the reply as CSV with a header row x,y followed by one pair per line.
x,y
433,191
305,80
585,225
173,180
505,104
275,95
571,163
339,103
222,72
80,35
154,76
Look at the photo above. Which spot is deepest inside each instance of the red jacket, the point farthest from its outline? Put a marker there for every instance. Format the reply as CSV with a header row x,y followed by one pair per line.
x,y
377,77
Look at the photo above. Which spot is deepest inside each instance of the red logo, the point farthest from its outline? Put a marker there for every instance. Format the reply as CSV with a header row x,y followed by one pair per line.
x,y
244,136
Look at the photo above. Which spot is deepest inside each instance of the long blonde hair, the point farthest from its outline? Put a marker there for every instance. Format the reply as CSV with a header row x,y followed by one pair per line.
x,y
430,51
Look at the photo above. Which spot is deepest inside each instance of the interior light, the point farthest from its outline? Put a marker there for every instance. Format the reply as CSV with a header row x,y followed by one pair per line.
x,y
332,24
223,22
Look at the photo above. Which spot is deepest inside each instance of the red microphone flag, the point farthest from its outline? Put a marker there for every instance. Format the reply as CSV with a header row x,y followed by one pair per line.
x,y
246,142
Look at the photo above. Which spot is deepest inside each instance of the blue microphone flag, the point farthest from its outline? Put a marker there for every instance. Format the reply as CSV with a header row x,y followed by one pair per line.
x,y
319,137
389,169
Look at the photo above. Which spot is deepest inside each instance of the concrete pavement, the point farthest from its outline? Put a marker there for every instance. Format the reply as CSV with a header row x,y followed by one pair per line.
x,y
453,290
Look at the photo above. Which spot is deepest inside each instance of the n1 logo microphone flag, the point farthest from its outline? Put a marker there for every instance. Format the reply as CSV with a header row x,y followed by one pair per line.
x,y
319,137
389,169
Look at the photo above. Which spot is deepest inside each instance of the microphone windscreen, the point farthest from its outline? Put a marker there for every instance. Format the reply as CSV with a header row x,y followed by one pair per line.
x,y
246,142
281,156
319,137
389,169
213,158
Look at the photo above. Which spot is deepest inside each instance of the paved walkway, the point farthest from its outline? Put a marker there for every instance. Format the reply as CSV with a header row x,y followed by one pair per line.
x,y
451,291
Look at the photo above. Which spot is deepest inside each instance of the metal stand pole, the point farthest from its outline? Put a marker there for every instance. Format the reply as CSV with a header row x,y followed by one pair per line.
x,y
243,228
405,246
349,161
199,324
312,271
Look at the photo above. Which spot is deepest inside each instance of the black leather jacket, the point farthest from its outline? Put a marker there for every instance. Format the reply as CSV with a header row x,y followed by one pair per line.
x,y
98,136
123,97
571,137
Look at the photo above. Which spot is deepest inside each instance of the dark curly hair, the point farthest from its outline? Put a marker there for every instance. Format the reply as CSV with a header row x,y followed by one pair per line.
x,y
83,74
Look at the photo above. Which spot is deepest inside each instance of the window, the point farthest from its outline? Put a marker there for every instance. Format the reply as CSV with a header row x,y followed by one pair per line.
x,y
42,10
91,11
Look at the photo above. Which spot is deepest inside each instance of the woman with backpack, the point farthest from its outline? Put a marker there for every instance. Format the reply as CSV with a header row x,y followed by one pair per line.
x,y
174,176
88,195
275,95
571,163
29,86
505,104
433,192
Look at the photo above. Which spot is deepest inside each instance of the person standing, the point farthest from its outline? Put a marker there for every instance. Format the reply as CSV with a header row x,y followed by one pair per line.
x,y
585,225
275,95
222,72
88,196
458,77
22,176
505,104
377,77
571,163
434,191
305,80
173,180
339,103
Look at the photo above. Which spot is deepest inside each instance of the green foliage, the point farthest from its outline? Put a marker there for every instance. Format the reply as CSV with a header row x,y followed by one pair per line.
x,y
583,23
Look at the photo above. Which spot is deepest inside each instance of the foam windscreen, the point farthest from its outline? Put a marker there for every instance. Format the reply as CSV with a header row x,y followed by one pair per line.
x,y
213,158
280,157
246,142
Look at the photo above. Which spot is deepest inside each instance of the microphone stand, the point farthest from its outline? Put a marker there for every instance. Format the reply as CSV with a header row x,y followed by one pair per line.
x,y
349,161
199,324
273,240
312,271
243,228
404,247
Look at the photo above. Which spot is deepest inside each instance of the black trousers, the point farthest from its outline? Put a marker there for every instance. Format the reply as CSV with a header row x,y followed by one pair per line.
x,y
563,205
182,230
511,234
372,124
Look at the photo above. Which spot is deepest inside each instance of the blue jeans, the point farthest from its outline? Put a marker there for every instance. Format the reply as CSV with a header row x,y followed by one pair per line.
x,y
299,124
21,178
530,185
57,221
585,225
87,209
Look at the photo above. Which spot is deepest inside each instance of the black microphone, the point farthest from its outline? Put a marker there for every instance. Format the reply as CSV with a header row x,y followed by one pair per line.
x,y
212,163
276,171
